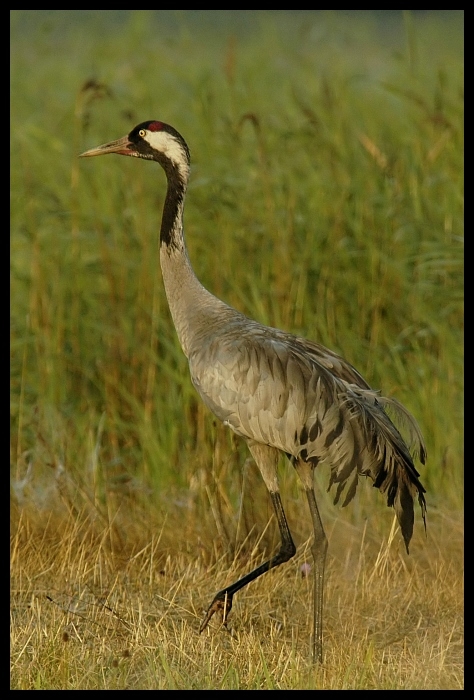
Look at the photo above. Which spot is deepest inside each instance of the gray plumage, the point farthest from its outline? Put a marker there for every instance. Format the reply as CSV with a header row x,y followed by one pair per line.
x,y
279,392
284,391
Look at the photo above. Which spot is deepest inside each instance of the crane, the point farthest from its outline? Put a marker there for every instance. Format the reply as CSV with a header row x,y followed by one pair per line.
x,y
281,393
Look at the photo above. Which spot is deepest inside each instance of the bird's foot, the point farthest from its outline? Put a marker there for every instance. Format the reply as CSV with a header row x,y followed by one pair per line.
x,y
221,604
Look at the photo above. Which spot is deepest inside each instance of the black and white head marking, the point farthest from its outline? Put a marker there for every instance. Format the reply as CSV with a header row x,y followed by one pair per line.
x,y
154,140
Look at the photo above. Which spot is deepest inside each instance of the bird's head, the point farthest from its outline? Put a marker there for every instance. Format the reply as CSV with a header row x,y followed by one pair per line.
x,y
152,140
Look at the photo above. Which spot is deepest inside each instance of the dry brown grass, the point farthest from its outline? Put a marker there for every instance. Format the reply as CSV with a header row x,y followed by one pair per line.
x,y
118,606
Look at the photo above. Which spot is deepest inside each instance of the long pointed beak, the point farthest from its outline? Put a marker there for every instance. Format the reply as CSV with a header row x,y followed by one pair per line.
x,y
121,146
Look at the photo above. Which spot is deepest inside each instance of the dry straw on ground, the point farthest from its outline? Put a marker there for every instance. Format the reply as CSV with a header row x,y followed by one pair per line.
x,y
118,606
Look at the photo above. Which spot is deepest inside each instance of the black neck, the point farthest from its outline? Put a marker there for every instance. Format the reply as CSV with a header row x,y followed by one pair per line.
x,y
171,234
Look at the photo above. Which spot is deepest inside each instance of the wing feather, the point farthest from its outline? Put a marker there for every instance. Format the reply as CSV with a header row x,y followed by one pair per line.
x,y
296,396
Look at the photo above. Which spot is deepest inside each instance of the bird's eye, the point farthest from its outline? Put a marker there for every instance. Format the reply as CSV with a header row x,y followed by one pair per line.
x,y
142,133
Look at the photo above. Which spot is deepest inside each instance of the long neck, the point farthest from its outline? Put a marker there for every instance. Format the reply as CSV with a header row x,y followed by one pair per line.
x,y
192,307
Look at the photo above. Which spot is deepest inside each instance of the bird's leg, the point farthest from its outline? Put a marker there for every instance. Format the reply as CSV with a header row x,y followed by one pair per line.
x,y
222,603
319,550
266,459
223,599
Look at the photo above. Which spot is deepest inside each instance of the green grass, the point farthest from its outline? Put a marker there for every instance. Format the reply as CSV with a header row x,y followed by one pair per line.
x,y
326,199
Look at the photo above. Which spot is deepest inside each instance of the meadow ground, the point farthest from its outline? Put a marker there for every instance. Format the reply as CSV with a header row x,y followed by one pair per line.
x,y
326,198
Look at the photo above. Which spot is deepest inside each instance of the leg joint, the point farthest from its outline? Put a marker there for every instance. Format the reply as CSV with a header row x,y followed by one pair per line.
x,y
287,550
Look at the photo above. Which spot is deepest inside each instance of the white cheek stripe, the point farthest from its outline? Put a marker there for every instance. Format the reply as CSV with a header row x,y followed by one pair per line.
x,y
162,141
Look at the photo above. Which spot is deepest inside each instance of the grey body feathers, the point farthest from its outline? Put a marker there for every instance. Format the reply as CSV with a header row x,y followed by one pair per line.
x,y
292,394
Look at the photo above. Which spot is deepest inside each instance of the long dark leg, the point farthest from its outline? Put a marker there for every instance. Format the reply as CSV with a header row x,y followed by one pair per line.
x,y
223,599
266,458
319,549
